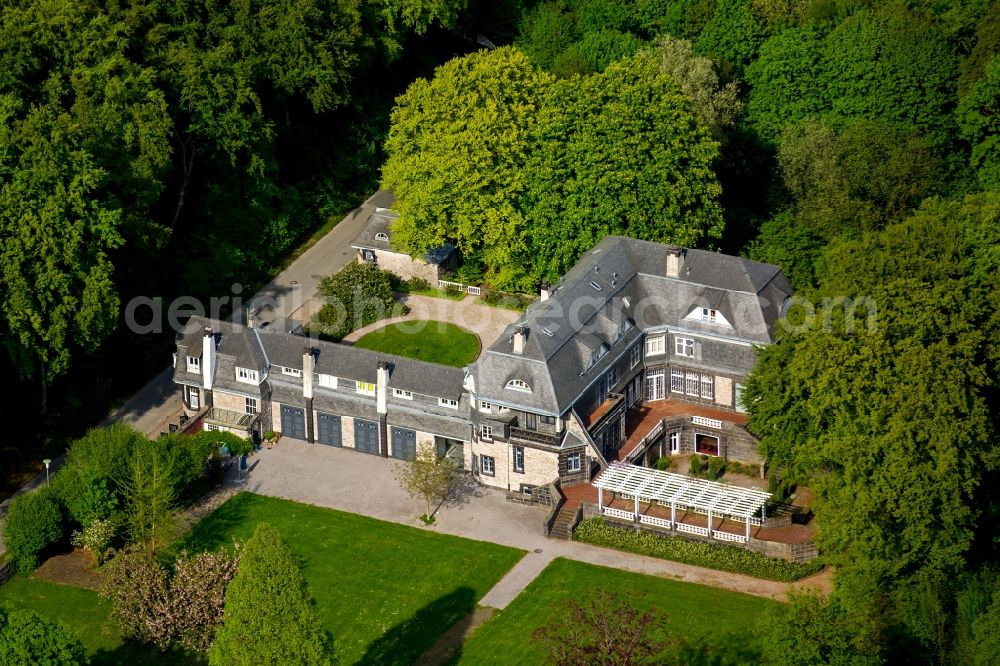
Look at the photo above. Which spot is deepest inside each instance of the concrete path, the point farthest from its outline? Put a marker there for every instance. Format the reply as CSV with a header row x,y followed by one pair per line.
x,y
360,483
518,578
485,321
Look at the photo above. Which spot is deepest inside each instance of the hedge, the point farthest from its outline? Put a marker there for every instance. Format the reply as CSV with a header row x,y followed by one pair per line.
x,y
33,523
725,558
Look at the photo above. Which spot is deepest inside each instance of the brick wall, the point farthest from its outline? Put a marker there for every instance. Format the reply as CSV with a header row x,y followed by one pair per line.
x,y
405,266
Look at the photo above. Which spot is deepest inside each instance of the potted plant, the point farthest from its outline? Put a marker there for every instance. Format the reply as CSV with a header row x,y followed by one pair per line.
x,y
271,438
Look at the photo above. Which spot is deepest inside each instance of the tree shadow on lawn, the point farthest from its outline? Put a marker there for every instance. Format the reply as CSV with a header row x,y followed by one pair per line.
x,y
129,654
404,643
215,529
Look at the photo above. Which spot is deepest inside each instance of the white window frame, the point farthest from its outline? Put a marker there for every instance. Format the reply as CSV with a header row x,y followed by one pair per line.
x,y
654,345
709,314
503,410
291,372
708,387
675,442
574,462
250,405
682,347
211,427
485,407
518,462
364,388
651,376
519,385
327,381
612,377
676,380
738,398
486,432
194,365
488,465
402,393
635,355
382,236
247,376
692,384
448,402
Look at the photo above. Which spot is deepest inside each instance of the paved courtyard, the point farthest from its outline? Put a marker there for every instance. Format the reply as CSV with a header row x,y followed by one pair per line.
x,y
365,484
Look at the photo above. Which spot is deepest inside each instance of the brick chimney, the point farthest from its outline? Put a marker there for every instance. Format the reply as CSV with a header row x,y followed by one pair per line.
x,y
308,369
520,335
675,258
208,359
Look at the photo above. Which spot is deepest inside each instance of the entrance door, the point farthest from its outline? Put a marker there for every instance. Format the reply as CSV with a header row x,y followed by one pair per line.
x,y
328,429
293,422
654,385
404,444
366,436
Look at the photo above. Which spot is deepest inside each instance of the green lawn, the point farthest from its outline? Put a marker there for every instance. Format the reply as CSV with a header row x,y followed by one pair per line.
x,y
433,341
82,611
725,620
386,591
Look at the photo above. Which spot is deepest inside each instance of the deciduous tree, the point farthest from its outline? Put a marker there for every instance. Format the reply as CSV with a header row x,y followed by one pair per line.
x,y
28,638
427,477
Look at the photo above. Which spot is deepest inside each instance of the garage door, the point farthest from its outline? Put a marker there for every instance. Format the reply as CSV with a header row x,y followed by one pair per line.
x,y
328,429
293,422
366,436
404,444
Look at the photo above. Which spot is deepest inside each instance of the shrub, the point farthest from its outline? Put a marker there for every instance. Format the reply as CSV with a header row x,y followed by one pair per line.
x,y
716,466
418,284
269,616
358,295
663,463
198,595
28,638
33,523
136,585
96,539
452,290
215,472
695,469
725,558
772,483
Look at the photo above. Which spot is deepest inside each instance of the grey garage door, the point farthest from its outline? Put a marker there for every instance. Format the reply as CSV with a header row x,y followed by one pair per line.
x,y
366,436
328,429
293,422
404,444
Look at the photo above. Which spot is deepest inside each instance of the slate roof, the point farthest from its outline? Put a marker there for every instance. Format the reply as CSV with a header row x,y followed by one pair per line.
x,y
623,280
380,222
236,346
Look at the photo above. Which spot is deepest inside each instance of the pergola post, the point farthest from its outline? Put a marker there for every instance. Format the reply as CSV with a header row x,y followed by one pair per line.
x,y
600,499
673,515
637,505
763,514
710,522
748,529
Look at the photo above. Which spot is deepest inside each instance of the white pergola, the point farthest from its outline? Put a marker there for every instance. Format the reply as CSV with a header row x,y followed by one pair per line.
x,y
643,484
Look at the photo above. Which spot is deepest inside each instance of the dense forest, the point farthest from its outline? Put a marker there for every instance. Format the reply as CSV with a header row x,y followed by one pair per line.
x,y
177,147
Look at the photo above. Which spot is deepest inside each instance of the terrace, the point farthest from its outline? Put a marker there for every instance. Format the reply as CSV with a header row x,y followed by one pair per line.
x,y
644,424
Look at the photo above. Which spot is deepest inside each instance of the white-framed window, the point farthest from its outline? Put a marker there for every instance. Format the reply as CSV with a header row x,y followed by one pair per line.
x,y
503,410
675,442
574,462
400,393
485,432
194,364
691,386
486,407
448,402
676,381
211,427
382,236
738,401
365,388
707,386
634,356
548,420
612,377
519,385
519,459
708,314
246,375
684,347
251,405
654,345
291,372
489,465
654,385
327,381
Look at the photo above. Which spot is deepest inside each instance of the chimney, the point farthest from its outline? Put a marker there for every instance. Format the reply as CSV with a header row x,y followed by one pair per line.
x,y
545,291
208,359
520,334
675,257
382,387
308,370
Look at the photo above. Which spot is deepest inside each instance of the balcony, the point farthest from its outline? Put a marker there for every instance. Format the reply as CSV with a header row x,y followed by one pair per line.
x,y
602,410
228,418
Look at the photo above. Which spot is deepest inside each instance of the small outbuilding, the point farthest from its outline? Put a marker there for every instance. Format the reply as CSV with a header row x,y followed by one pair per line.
x,y
374,245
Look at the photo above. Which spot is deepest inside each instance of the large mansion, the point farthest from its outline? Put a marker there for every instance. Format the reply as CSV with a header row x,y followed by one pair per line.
x,y
640,351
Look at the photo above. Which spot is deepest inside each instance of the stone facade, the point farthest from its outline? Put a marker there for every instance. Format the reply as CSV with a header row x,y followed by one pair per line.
x,y
540,467
232,402
406,266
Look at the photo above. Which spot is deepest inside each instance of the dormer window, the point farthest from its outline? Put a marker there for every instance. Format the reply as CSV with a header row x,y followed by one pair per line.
x,y
247,376
518,385
448,402
382,236
291,372
597,355
194,364
708,314
623,328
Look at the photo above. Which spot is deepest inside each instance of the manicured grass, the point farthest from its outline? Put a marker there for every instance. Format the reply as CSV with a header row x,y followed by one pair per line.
x,y
83,612
701,615
433,341
385,591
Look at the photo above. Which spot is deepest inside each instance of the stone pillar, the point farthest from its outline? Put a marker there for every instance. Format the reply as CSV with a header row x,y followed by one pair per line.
x,y
308,370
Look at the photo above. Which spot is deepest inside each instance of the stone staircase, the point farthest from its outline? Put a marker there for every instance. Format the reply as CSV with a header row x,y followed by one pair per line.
x,y
561,525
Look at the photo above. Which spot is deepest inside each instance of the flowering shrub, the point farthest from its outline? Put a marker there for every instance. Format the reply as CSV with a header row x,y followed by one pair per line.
x,y
151,606
96,539
712,556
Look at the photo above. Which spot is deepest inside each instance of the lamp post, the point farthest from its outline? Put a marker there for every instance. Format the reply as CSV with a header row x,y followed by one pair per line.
x,y
47,463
